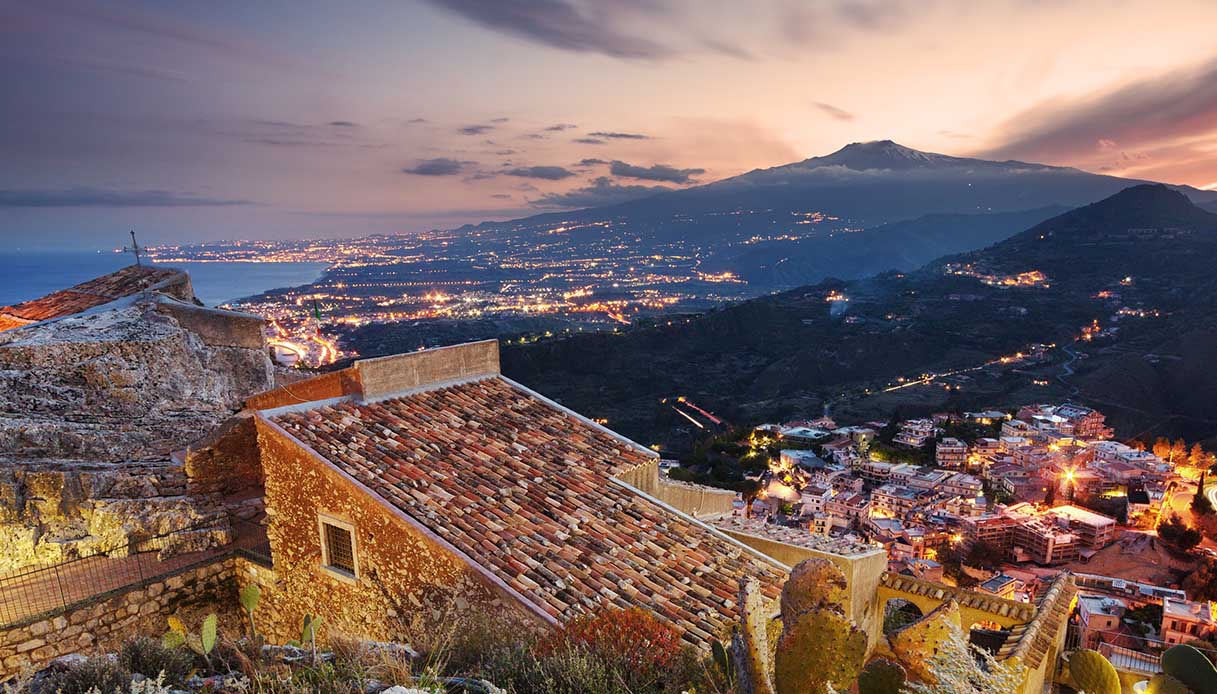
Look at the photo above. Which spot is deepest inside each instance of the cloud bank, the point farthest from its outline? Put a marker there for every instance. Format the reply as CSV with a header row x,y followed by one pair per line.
x,y
658,172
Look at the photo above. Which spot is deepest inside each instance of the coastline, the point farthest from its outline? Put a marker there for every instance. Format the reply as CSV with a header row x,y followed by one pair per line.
x,y
25,276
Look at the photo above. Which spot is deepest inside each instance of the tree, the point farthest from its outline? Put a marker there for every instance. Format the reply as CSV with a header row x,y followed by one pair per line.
x,y
1050,495
1197,457
749,490
1178,451
1201,583
985,555
1174,531
1200,502
1162,448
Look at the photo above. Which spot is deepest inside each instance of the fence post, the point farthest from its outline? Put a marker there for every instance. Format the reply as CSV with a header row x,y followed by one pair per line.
x,y
63,599
133,550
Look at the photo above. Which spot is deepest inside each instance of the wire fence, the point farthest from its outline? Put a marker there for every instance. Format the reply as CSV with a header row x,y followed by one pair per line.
x,y
1127,651
40,591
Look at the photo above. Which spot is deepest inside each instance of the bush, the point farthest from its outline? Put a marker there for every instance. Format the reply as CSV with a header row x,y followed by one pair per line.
x,y
100,673
646,653
569,670
1175,532
149,658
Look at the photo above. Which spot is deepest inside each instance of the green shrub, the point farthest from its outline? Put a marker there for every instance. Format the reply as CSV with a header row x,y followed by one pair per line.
x,y
100,673
572,670
150,658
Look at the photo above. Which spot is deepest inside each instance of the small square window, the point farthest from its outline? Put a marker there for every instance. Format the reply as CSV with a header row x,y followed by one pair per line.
x,y
338,547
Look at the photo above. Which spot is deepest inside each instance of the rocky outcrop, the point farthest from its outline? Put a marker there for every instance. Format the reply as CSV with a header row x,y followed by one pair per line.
x,y
122,383
92,408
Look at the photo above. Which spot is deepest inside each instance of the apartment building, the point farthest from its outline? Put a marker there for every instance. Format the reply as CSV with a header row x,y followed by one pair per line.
x,y
951,453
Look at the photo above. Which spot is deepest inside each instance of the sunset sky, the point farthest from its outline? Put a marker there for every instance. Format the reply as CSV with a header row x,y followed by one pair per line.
x,y
197,121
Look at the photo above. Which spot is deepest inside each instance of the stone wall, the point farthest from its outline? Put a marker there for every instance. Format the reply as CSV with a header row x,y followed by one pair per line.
x,y
267,620
51,512
408,583
227,461
102,625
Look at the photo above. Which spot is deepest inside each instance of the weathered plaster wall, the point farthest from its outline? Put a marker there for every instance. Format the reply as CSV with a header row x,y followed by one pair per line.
x,y
863,573
407,583
694,499
216,327
323,387
400,372
103,625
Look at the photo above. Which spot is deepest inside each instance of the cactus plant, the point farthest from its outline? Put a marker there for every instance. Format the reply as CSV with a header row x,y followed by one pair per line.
x,y
818,647
1093,673
1163,683
203,643
813,584
881,676
723,661
308,635
751,642
249,597
1190,666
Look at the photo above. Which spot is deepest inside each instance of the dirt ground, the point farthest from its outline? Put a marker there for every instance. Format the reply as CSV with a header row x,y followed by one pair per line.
x,y
1146,562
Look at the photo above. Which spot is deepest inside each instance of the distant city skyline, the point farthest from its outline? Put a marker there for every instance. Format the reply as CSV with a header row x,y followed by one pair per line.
x,y
226,120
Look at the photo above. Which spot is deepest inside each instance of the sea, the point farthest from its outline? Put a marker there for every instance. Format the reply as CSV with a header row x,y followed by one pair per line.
x,y
29,275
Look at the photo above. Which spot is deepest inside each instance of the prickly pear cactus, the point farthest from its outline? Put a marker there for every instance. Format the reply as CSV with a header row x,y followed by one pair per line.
x,y
819,647
751,642
818,644
915,644
1163,683
1093,673
1191,667
813,583
881,676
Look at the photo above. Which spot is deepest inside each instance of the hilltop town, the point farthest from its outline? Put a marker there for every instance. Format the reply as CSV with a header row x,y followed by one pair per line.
x,y
158,464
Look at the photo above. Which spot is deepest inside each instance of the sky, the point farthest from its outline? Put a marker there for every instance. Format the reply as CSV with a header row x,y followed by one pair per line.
x,y
192,122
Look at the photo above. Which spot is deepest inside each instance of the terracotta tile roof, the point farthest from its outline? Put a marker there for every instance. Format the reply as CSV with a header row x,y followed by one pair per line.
x,y
525,490
1033,640
95,292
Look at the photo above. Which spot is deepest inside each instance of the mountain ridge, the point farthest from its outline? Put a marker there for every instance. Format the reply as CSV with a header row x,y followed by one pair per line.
x,y
803,205
1136,264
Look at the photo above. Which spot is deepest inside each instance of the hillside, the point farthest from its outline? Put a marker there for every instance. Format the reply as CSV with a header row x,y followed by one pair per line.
x,y
1147,247
868,207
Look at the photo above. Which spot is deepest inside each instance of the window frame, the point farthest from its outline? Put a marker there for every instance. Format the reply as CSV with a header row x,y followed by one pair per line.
x,y
324,519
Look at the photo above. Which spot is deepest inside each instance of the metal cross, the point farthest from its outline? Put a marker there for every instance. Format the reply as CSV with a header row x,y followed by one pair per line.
x,y
134,248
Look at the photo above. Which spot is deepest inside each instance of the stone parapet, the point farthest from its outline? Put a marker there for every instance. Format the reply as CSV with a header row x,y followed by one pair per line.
x,y
103,624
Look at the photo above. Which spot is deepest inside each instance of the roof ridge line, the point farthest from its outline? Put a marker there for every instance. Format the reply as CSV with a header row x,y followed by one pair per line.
x,y
427,387
591,423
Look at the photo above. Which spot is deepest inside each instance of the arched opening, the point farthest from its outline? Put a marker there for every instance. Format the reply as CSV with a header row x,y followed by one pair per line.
x,y
899,613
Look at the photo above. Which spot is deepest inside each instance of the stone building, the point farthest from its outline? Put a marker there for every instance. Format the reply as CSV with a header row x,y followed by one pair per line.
x,y
435,488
